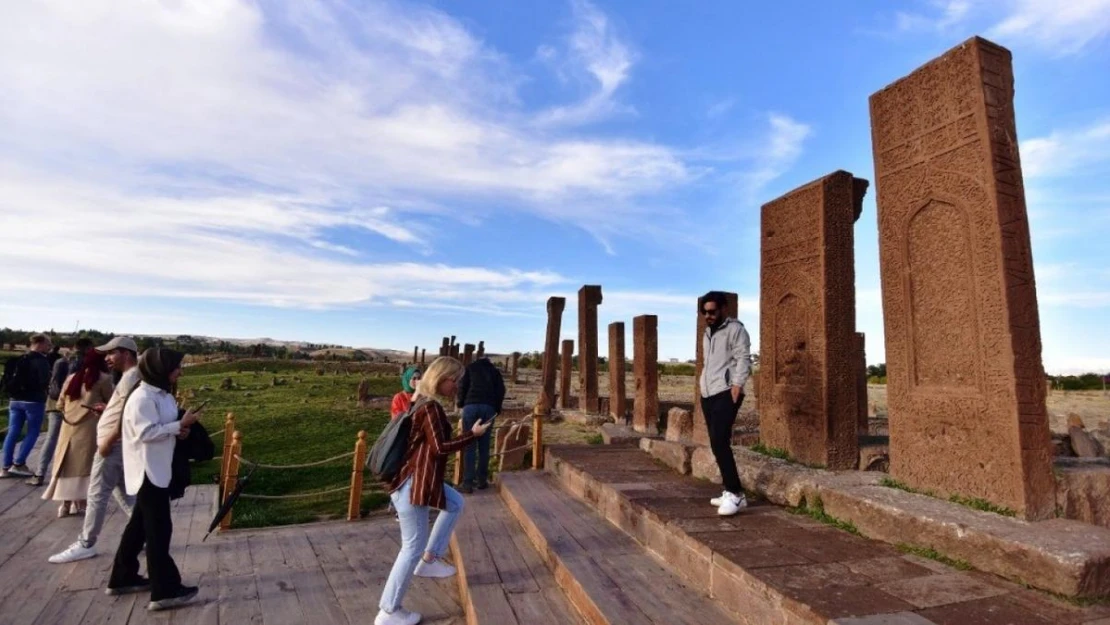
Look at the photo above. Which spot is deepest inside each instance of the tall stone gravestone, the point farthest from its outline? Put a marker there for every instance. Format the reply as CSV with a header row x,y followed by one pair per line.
x,y
645,366
566,367
701,433
965,382
617,397
589,298
807,314
555,306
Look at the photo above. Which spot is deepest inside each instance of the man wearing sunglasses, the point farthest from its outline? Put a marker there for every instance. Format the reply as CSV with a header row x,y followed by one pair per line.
x,y
726,349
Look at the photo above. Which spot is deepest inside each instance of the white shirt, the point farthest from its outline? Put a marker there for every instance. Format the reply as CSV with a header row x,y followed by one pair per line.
x,y
113,412
150,429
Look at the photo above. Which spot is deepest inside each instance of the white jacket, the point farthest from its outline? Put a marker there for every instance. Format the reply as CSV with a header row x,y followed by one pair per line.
x,y
727,357
150,429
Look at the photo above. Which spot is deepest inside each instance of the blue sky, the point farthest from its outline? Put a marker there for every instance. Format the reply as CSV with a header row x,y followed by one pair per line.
x,y
383,174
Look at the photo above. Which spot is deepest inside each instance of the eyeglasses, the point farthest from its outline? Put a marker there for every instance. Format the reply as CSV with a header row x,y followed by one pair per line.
x,y
709,311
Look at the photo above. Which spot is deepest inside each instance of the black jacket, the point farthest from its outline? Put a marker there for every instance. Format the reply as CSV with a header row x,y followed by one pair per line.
x,y
482,384
38,377
196,447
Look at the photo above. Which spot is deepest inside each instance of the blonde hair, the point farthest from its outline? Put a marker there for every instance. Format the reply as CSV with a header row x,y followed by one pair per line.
x,y
441,369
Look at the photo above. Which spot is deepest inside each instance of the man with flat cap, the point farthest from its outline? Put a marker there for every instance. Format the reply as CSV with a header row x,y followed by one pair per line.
x,y
122,355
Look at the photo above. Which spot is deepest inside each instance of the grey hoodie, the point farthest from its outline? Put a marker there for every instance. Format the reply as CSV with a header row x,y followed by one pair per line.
x,y
728,358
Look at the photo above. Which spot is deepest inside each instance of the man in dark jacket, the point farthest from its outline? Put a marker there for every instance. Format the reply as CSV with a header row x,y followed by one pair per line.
x,y
28,406
481,393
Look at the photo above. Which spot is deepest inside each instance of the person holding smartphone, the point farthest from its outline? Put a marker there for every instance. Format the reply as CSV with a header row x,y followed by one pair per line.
x,y
150,431
419,486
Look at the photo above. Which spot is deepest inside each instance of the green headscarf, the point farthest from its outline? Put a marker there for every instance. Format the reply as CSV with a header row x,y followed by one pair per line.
x,y
406,378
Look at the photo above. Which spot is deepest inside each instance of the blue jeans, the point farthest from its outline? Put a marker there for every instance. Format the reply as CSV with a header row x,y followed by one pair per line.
x,y
22,413
472,414
46,452
415,540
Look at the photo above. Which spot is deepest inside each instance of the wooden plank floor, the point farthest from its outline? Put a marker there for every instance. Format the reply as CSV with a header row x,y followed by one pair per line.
x,y
319,573
503,579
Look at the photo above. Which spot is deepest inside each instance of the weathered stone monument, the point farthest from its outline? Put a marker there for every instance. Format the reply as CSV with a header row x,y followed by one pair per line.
x,y
445,348
415,353
861,384
481,353
423,357
468,354
701,432
515,363
809,359
363,393
965,381
617,398
555,306
645,365
565,367
589,298
455,350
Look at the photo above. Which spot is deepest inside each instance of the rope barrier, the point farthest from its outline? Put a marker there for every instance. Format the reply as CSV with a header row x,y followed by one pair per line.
x,y
346,489
502,453
294,466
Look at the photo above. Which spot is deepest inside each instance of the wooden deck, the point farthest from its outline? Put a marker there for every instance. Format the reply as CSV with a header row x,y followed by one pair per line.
x,y
321,573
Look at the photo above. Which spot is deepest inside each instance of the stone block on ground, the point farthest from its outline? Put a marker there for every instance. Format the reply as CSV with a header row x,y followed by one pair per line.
x,y
680,425
514,439
620,434
1083,444
675,455
1083,489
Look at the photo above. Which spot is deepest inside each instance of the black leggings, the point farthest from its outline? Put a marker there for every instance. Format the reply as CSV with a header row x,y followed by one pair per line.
x,y
720,415
151,524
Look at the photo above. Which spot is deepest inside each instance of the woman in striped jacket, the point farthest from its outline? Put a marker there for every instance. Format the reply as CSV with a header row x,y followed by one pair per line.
x,y
419,487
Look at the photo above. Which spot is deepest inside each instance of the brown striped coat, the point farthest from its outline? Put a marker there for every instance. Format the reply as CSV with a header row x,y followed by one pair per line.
x,y
430,444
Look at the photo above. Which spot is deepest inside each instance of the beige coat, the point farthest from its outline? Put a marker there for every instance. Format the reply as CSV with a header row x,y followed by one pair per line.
x,y
73,457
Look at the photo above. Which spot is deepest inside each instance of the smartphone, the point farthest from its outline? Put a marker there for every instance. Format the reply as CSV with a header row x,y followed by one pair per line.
x,y
200,406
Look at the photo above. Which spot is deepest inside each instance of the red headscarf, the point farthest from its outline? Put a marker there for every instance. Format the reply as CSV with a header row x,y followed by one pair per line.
x,y
87,374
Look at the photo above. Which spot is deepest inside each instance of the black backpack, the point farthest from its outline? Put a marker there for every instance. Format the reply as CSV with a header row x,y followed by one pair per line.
x,y
17,380
388,453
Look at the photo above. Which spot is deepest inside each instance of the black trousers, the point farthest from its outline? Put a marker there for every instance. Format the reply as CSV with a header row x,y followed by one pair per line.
x,y
720,415
151,524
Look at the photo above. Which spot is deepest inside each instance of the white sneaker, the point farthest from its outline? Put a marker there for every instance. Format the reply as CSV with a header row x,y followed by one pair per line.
x,y
731,504
436,568
73,553
717,501
400,617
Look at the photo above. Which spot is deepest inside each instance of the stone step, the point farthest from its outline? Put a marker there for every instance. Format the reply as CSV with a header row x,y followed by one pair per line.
x,y
605,574
502,579
769,565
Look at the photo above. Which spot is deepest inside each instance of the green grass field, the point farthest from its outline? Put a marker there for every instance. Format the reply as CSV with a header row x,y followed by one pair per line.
x,y
305,418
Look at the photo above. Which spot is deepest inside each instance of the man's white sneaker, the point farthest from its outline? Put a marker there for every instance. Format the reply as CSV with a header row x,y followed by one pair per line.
x,y
717,501
400,617
73,553
731,504
436,568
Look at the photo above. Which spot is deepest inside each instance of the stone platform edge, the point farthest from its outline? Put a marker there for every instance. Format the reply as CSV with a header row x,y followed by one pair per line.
x,y
748,598
1067,557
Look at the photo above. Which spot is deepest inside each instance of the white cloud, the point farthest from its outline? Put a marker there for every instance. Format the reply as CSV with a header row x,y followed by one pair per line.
x,y
782,149
720,108
943,15
1066,152
603,60
260,152
1063,28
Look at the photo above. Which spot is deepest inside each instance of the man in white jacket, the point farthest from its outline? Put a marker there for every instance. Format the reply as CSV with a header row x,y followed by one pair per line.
x,y
726,350
107,469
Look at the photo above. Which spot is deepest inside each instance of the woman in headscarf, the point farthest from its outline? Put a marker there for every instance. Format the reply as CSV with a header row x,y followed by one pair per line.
x,y
150,432
89,386
403,400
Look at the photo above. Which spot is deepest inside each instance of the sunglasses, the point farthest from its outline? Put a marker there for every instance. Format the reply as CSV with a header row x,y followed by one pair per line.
x,y
709,311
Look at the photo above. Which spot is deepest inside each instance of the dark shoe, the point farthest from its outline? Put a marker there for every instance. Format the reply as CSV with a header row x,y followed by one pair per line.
x,y
139,584
466,489
184,595
483,485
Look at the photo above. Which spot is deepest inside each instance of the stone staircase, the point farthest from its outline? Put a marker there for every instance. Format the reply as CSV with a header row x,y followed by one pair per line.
x,y
606,535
